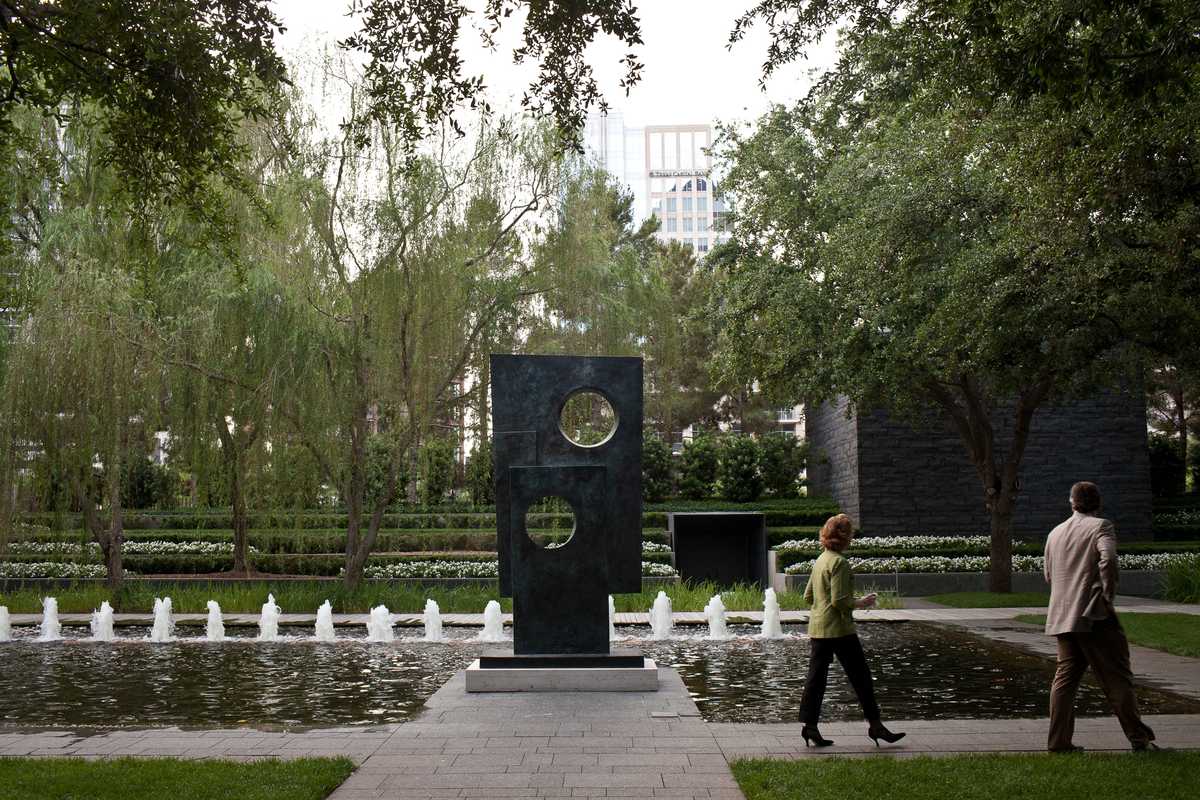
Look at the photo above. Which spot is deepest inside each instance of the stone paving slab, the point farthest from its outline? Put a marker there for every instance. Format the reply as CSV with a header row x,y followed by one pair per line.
x,y
1163,670
945,737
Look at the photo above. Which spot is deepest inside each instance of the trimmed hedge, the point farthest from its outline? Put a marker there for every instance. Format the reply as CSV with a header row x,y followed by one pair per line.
x,y
326,541
785,558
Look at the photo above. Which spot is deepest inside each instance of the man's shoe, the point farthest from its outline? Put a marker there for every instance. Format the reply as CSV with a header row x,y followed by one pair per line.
x,y
1148,747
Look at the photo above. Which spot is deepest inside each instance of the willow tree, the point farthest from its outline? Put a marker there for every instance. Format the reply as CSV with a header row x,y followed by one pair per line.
x,y
77,382
409,262
234,334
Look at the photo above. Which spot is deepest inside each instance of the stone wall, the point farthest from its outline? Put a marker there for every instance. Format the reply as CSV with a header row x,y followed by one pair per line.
x,y
833,455
915,479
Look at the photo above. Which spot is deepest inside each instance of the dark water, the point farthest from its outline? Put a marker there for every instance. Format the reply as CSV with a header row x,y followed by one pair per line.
x,y
920,672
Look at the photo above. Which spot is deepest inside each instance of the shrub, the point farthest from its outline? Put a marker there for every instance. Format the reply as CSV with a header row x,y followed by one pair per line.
x,y
145,484
783,459
292,477
437,469
379,460
738,477
656,468
481,482
1183,582
698,468
1166,466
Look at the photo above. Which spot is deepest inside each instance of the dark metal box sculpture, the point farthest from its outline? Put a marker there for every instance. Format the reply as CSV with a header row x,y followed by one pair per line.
x,y
560,594
725,547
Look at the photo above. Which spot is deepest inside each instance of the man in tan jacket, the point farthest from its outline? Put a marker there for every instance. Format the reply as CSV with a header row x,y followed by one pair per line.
x,y
1081,568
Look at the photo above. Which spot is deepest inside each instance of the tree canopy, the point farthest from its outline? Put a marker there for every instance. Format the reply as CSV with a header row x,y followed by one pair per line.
x,y
415,78
170,81
929,229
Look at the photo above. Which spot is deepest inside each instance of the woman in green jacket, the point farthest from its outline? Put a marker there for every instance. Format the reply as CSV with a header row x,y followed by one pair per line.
x,y
830,595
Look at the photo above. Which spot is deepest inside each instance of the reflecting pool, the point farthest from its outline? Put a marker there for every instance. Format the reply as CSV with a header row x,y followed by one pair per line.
x,y
297,682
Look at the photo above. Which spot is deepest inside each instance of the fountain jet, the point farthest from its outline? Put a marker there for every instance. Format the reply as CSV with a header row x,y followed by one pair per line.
x,y
493,623
51,629
215,629
164,623
433,622
771,628
102,623
268,621
612,619
5,625
379,625
661,621
325,632
714,612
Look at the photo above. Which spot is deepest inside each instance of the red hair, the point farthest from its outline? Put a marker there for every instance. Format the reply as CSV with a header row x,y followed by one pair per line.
x,y
836,533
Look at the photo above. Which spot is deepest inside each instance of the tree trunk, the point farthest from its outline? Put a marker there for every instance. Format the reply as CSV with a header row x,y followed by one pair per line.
x,y
241,545
1000,482
234,449
1000,569
1182,428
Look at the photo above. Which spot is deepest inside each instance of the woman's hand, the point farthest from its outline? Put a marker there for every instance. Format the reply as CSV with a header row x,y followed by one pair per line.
x,y
866,601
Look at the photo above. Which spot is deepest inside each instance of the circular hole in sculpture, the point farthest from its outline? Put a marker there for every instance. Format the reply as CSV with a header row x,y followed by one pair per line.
x,y
587,419
550,523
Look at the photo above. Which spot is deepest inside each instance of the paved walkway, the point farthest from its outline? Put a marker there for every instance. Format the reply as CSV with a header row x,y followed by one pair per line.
x,y
645,745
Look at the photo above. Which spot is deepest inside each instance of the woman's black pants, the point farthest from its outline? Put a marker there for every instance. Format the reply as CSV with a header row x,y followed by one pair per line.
x,y
849,652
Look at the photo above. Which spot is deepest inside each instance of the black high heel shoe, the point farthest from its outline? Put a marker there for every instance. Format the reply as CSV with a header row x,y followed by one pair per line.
x,y
877,731
814,735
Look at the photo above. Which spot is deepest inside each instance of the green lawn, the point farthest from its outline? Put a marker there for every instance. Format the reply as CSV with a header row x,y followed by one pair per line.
x,y
170,779
991,599
1175,633
1147,776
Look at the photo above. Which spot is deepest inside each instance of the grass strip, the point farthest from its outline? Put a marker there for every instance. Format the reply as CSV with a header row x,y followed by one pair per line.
x,y
991,599
170,779
1147,776
1178,634
303,597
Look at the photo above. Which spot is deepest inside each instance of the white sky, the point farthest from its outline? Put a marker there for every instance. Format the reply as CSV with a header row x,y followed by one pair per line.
x,y
690,76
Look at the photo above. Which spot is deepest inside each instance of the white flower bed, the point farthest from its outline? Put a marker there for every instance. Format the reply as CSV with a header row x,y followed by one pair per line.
x,y
1183,517
470,569
651,569
52,569
1134,561
896,543
433,569
156,547
655,547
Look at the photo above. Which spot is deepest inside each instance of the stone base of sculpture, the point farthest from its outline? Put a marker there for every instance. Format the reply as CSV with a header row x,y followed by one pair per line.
x,y
622,670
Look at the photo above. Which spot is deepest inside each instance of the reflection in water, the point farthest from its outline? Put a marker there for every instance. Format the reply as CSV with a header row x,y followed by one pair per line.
x,y
298,682
920,672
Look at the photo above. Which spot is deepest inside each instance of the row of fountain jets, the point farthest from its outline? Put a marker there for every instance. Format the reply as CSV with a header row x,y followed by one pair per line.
x,y
380,621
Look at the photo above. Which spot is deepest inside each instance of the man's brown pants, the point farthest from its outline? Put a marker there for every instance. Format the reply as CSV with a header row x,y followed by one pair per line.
x,y
1106,650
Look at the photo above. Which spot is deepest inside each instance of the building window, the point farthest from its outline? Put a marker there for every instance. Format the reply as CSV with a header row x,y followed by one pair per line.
x,y
702,203
687,187
701,185
687,203
702,245
702,224
687,224
688,244
670,224
670,204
